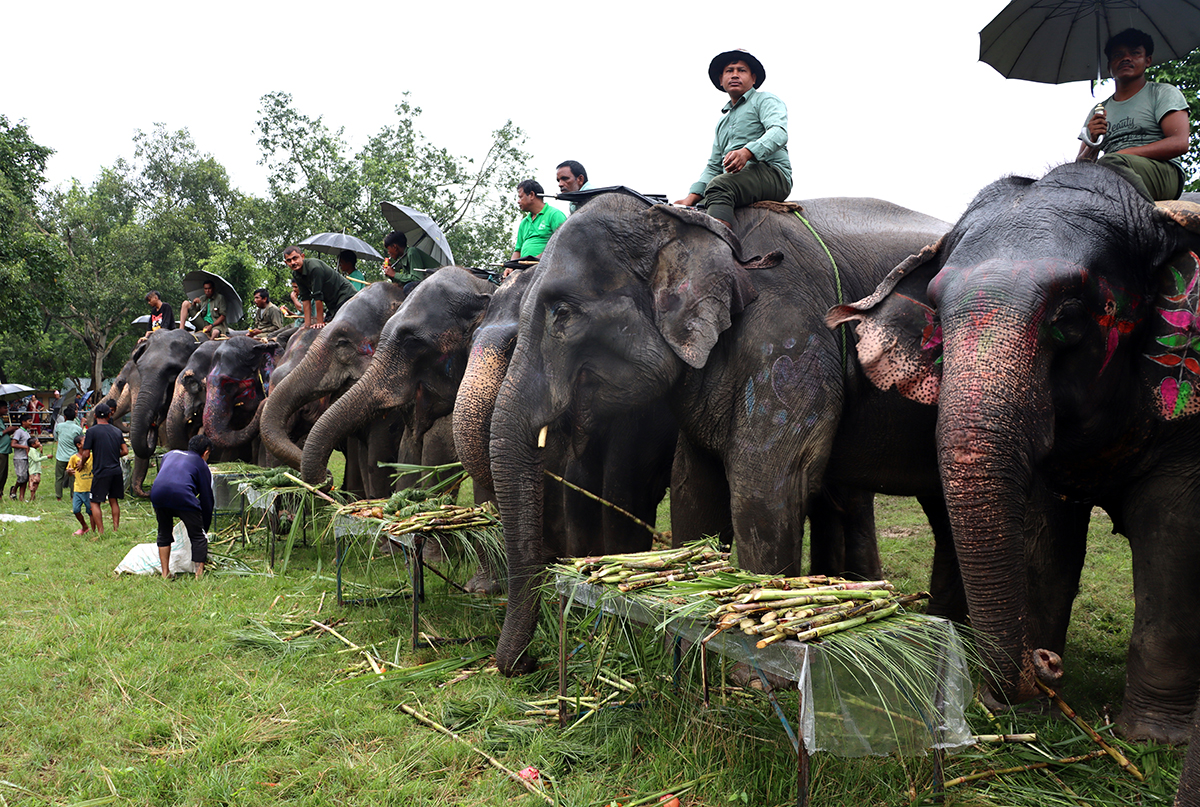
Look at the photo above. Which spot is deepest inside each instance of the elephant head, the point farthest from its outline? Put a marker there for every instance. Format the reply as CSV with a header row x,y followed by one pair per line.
x,y
420,359
624,299
1056,328
184,419
236,386
160,359
336,358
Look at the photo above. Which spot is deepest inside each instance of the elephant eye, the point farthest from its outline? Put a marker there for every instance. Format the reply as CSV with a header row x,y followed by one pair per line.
x,y
1068,324
559,315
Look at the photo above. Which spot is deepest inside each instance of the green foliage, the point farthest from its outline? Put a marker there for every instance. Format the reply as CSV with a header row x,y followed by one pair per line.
x,y
317,184
1185,74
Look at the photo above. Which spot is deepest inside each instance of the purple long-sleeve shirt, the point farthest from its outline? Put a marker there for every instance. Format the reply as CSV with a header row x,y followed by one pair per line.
x,y
184,482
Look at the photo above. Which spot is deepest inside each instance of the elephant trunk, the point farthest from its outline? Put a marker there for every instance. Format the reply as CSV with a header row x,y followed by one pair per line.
x,y
287,397
143,432
378,392
222,395
177,419
517,430
473,411
994,423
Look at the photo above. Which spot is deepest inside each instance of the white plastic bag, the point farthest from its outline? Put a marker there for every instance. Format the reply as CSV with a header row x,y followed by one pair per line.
x,y
143,558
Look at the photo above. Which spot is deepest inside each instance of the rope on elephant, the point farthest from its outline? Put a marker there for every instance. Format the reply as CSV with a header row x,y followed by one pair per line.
x,y
837,278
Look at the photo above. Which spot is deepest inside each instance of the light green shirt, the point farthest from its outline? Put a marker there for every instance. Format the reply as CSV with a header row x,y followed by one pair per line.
x,y
35,461
758,123
534,231
64,434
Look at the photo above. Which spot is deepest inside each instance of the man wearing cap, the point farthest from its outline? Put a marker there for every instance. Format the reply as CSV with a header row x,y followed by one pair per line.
x,y
322,290
749,161
105,444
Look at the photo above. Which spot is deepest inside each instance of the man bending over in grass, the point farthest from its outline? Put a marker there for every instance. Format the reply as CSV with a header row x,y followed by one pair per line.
x,y
80,470
183,489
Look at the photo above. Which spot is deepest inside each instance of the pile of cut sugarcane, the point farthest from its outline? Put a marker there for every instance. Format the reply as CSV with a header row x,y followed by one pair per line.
x,y
413,513
647,569
805,608
798,608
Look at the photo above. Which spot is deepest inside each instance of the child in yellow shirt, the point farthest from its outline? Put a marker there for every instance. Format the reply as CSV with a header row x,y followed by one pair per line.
x,y
81,499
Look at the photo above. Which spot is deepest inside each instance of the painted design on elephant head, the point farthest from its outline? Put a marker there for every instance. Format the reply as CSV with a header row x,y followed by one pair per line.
x,y
931,334
1179,308
1118,319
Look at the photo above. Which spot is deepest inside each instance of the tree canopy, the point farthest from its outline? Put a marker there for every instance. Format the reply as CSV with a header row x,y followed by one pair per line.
x,y
77,261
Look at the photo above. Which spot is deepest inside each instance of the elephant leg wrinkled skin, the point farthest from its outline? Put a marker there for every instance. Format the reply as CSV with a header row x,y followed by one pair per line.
x,y
1050,326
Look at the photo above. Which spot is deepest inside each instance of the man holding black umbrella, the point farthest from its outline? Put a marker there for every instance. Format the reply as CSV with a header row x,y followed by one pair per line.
x,y
1145,123
206,312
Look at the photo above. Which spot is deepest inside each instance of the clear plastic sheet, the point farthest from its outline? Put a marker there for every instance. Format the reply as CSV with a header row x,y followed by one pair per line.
x,y
847,710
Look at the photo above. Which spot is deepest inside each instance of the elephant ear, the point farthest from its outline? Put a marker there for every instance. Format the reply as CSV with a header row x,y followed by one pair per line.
x,y
699,282
899,334
1171,367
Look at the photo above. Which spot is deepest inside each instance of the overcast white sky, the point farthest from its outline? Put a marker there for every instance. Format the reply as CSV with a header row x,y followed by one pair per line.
x,y
885,98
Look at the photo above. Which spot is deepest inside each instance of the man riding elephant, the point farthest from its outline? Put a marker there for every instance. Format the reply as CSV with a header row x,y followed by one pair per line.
x,y
749,161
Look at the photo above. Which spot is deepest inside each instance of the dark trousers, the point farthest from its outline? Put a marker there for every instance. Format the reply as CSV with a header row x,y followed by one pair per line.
x,y
754,183
195,529
4,473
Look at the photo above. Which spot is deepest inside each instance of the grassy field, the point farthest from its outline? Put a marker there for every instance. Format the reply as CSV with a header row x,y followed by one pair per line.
x,y
136,690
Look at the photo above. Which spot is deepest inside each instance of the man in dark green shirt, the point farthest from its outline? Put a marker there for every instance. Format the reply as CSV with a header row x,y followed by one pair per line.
x,y
322,290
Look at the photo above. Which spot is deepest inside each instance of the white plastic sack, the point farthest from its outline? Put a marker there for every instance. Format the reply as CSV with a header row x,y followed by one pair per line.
x,y
143,558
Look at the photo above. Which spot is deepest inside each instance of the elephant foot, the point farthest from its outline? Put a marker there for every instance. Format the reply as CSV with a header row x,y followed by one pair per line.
x,y
484,582
433,551
1153,725
742,675
522,665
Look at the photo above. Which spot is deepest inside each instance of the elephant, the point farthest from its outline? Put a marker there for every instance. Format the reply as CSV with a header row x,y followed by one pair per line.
x,y
185,415
160,359
1055,327
628,462
337,357
634,303
236,386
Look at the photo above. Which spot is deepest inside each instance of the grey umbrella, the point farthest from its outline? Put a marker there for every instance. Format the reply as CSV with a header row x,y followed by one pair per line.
x,y
333,243
11,392
193,285
421,231
1058,41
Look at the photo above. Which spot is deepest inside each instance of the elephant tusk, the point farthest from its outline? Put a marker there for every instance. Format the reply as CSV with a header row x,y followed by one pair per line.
x,y
541,441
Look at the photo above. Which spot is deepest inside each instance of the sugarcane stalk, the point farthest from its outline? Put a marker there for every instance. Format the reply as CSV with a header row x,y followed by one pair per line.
x,y
1005,738
495,763
312,489
653,532
330,630
1033,766
1079,721
836,627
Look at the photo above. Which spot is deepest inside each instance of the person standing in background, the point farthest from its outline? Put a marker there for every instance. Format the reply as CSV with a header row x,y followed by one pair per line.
x,y
65,432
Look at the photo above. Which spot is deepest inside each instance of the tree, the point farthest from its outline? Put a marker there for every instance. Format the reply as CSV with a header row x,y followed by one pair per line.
x,y
28,254
1185,74
141,225
316,184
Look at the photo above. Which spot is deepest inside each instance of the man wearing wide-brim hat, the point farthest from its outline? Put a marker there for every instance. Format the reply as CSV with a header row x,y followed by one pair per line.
x,y
749,161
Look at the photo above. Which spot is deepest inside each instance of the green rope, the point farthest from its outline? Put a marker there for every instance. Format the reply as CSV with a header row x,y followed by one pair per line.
x,y
837,277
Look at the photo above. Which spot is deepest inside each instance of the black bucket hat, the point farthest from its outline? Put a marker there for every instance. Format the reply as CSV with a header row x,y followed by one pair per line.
x,y
717,66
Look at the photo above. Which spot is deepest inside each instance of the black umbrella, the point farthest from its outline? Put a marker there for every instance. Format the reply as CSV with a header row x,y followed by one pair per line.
x,y
333,243
1058,41
193,285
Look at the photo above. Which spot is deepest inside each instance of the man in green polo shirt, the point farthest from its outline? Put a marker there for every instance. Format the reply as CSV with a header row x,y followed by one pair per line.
x,y
539,223
322,290
749,161
6,433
